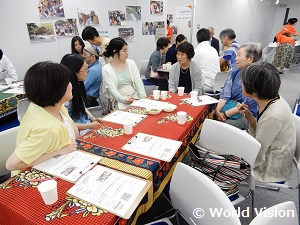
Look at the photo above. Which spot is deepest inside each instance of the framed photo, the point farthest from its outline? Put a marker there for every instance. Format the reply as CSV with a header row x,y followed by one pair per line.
x,y
40,32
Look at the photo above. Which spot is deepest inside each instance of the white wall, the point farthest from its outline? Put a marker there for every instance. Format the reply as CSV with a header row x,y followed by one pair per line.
x,y
252,20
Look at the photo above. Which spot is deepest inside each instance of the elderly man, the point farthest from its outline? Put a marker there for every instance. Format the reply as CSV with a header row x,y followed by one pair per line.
x,y
214,42
91,35
94,77
208,59
7,70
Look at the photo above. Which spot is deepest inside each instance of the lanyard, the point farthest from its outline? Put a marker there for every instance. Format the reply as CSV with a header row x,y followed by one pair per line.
x,y
270,102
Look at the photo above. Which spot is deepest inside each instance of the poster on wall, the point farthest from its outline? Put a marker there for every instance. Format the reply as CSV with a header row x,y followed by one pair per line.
x,y
156,7
148,28
127,34
50,8
40,32
103,33
65,28
184,12
87,16
133,13
116,18
170,18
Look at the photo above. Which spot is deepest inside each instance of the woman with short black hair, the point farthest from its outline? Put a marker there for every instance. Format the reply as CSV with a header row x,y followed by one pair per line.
x,y
274,127
46,129
185,73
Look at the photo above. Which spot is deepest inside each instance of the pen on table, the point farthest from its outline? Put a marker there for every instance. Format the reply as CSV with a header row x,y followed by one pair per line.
x,y
43,179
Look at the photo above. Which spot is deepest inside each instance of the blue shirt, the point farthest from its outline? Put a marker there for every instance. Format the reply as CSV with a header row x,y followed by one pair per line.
x,y
93,80
230,54
233,91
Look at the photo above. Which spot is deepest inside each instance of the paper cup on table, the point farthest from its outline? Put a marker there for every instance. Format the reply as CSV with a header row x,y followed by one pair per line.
x,y
194,95
168,66
180,91
181,116
164,95
164,66
156,94
8,81
128,127
48,190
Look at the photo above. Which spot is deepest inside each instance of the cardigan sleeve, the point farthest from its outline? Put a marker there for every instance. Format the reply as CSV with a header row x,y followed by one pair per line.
x,y
136,79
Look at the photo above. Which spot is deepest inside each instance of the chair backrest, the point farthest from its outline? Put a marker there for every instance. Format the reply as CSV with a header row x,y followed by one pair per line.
x,y
297,152
283,213
22,108
220,79
193,194
143,67
226,139
8,144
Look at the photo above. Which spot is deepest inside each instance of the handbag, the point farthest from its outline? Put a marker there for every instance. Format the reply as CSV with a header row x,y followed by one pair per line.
x,y
153,74
229,105
227,171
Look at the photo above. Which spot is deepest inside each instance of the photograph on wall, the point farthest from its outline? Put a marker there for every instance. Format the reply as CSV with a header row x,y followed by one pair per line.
x,y
175,29
148,28
133,13
50,8
170,17
156,7
127,34
87,16
66,28
103,33
40,32
116,18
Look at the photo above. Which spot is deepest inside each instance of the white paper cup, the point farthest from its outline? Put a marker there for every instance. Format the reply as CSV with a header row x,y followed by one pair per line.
x,y
180,91
181,116
48,190
8,81
128,127
168,66
164,95
164,66
194,95
156,94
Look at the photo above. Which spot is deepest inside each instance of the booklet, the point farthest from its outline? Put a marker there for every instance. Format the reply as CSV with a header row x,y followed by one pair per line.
x,y
201,100
144,103
111,190
69,166
120,117
153,146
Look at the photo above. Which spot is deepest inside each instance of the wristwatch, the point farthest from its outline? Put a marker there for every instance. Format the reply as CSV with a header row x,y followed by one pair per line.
x,y
225,115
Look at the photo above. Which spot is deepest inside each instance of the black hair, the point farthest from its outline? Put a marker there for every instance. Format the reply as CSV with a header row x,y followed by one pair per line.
x,y
89,33
168,22
45,83
115,45
179,38
203,35
162,43
262,79
187,48
292,21
74,39
1,54
75,62
228,32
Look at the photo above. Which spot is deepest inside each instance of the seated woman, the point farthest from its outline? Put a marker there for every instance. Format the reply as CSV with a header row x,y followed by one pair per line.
x,y
76,107
77,45
156,60
274,127
171,53
46,129
231,94
185,73
121,77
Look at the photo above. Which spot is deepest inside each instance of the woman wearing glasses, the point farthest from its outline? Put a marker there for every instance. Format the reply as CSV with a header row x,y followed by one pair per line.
x,y
121,77
76,107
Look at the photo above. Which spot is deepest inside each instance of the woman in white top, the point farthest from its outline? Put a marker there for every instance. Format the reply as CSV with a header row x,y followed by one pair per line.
x,y
121,77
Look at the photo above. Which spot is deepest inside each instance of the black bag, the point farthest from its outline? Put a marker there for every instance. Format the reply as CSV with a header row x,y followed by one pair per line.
x,y
227,171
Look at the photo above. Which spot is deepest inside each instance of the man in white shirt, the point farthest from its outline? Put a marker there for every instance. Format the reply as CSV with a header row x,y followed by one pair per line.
x,y
208,59
7,70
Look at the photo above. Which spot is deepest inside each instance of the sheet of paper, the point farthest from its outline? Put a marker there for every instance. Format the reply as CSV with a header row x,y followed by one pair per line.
x,y
19,90
202,100
111,190
153,146
70,166
144,103
3,87
120,117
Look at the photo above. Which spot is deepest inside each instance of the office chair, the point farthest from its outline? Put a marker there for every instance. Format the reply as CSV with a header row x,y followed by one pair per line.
x,y
22,108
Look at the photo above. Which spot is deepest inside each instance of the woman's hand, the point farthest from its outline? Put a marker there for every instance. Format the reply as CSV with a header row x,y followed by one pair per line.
x,y
244,109
68,148
94,123
220,116
129,100
97,119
